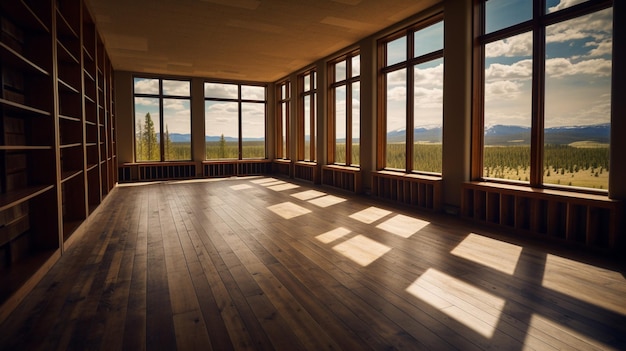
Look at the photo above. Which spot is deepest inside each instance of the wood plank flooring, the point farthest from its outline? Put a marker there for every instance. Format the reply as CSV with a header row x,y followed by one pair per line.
x,y
261,263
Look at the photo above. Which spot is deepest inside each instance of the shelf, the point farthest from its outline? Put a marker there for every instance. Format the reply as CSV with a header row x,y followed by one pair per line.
x,y
17,107
13,58
68,175
16,197
28,18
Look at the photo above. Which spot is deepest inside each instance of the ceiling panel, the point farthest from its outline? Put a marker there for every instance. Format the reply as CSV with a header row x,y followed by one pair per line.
x,y
254,40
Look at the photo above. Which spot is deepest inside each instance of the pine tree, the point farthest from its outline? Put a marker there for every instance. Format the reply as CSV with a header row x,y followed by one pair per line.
x,y
222,147
168,144
149,139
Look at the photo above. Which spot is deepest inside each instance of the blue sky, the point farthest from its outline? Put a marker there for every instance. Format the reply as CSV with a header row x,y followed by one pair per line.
x,y
578,67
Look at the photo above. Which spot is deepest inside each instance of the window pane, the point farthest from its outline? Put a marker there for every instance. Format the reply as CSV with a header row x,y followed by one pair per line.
x,y
356,66
284,116
340,71
428,116
508,74
176,88
253,130
221,129
146,86
556,5
221,91
284,91
396,119
307,127
147,129
340,124
252,92
501,14
356,123
177,122
428,39
306,82
577,101
396,51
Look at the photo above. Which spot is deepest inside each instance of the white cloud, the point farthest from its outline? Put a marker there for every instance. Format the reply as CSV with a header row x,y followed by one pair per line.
x,y
144,102
502,89
220,90
564,4
146,86
519,45
176,88
519,70
396,94
600,49
561,67
598,25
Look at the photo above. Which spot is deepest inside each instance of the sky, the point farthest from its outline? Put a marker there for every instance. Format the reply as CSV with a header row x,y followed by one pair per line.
x,y
578,67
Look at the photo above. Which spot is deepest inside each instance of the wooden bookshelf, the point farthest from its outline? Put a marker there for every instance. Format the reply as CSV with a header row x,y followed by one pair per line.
x,y
50,142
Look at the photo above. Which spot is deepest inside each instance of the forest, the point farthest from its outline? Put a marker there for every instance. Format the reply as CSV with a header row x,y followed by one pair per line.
x,y
581,164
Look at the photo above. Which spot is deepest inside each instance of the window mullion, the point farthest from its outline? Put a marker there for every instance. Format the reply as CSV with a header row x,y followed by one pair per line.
x,y
538,96
410,92
161,121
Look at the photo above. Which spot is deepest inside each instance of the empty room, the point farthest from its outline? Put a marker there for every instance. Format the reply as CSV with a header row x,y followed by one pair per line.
x,y
308,175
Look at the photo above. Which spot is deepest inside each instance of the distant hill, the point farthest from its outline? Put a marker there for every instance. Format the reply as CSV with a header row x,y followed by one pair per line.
x,y
421,134
516,135
494,135
185,138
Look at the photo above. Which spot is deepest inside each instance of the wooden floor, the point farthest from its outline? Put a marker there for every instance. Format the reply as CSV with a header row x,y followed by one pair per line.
x,y
260,263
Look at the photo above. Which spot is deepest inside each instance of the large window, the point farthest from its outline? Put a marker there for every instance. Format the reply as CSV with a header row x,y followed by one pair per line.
x,y
345,110
547,89
162,119
234,121
412,118
282,120
307,116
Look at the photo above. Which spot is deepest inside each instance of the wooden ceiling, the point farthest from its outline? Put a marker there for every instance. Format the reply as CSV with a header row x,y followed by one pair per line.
x,y
250,40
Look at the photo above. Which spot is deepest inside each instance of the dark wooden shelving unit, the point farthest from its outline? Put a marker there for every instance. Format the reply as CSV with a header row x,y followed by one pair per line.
x,y
51,136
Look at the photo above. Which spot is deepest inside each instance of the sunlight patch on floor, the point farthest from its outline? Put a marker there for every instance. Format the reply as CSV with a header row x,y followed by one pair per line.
x,y
326,201
403,226
288,210
362,250
308,195
241,187
333,235
447,294
274,183
585,282
370,215
283,187
489,252
263,180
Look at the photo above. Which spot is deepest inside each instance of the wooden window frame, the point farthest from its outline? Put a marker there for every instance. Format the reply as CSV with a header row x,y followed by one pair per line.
x,y
160,96
347,82
286,102
537,27
312,94
409,64
240,101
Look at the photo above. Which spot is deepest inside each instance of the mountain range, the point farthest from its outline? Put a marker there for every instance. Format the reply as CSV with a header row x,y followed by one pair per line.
x,y
515,135
494,135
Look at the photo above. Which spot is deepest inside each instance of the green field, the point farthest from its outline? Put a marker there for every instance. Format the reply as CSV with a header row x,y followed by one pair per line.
x,y
580,164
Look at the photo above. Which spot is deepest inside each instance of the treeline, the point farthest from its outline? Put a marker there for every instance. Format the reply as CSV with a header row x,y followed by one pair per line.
x,y
557,159
426,157
147,144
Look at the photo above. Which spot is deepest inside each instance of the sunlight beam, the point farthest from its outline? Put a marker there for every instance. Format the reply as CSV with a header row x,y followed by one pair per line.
x,y
403,226
362,250
288,210
489,252
370,215
333,235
